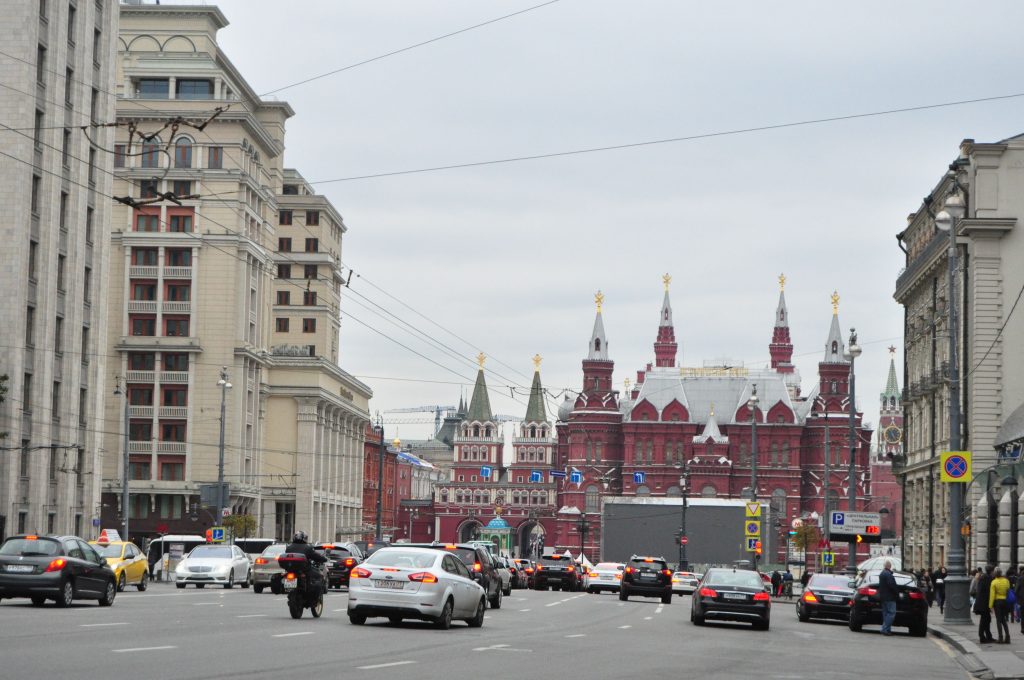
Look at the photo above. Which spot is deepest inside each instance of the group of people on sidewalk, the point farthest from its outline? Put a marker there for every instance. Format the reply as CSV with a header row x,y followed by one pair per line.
x,y
992,592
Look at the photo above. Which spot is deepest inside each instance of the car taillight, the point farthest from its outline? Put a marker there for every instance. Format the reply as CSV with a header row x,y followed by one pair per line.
x,y
477,567
618,576
762,597
570,569
666,572
512,571
290,576
867,590
349,562
707,592
260,560
629,570
810,597
359,572
529,570
423,577
57,564
916,595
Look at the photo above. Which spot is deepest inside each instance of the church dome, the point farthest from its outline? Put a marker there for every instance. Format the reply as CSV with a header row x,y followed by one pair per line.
x,y
497,523
565,409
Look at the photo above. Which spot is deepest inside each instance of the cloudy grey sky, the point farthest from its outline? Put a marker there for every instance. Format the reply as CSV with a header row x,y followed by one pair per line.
x,y
508,256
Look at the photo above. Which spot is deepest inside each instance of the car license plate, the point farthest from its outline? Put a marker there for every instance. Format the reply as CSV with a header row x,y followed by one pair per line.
x,y
833,598
20,568
389,585
734,596
290,584
606,577
647,577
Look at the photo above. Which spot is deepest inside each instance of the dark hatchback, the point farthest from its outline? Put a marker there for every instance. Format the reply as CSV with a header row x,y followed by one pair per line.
x,y
731,595
647,577
342,558
911,605
481,564
59,568
555,571
826,596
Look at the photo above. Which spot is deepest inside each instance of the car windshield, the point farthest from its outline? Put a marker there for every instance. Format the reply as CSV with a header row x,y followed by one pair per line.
x,y
609,566
560,560
647,563
747,579
467,555
828,581
274,550
211,551
338,552
26,547
871,578
402,558
113,550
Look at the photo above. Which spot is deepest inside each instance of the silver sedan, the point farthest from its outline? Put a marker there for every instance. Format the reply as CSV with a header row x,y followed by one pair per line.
x,y
223,565
415,583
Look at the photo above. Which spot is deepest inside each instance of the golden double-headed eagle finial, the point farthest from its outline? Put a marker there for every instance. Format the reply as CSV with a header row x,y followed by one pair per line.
x,y
536,361
626,383
835,303
666,279
599,300
480,359
782,282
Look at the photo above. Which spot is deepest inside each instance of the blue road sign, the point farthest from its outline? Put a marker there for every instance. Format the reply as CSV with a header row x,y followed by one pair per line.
x,y
838,518
557,473
639,477
536,476
576,477
217,534
485,471
752,544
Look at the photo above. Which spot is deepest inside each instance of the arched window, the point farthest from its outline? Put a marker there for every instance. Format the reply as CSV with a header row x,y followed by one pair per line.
x,y
543,498
597,344
639,453
673,491
835,347
643,490
593,499
444,495
785,454
709,449
779,503
775,455
708,491
183,153
533,432
151,153
835,387
476,430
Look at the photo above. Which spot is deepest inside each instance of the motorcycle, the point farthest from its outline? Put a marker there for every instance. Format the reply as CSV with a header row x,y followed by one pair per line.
x,y
296,582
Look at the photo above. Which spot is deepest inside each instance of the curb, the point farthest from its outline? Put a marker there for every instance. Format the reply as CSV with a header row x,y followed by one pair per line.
x,y
966,656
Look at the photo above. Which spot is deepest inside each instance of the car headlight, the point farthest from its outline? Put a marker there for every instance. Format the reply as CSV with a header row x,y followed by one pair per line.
x,y
222,570
182,568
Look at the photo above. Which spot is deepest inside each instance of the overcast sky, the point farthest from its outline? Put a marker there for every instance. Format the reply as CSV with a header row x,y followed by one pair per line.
x,y
508,256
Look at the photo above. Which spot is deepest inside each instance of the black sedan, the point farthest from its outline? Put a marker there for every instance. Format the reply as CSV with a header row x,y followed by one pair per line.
x,y
60,568
911,606
342,558
826,596
731,595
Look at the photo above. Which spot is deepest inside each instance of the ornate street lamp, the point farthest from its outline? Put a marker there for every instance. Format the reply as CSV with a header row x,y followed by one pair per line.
x,y
852,352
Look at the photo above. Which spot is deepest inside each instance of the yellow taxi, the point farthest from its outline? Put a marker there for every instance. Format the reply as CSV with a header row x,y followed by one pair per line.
x,y
128,562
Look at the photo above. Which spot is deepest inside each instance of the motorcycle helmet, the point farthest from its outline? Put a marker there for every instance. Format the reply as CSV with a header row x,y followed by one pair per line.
x,y
300,537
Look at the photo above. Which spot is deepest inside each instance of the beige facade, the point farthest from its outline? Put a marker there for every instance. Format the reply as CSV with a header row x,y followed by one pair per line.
x,y
55,185
990,343
192,283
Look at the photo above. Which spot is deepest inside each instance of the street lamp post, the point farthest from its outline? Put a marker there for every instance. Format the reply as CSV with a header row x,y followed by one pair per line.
x,y
582,524
379,429
222,499
684,485
125,507
852,352
752,405
957,608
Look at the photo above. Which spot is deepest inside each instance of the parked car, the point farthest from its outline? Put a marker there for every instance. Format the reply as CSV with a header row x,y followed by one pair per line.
x,y
826,596
342,558
731,595
604,576
223,565
402,582
265,566
685,582
911,607
525,569
478,560
518,575
647,577
557,572
59,568
128,562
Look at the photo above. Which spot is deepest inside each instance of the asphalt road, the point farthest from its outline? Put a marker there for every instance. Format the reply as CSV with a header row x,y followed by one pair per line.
x,y
214,633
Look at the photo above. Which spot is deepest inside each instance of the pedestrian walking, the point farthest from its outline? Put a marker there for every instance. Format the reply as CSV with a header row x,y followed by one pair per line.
x,y
939,583
776,583
982,608
787,584
973,590
804,578
998,591
888,592
928,588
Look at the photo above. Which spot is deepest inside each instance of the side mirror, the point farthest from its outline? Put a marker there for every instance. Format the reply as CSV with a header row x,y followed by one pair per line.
x,y
851,584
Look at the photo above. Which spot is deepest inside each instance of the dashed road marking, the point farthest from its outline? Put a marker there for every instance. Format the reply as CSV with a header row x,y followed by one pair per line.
x,y
143,649
249,616
384,665
552,604
658,610
577,635
624,627
97,625
648,618
280,635
524,610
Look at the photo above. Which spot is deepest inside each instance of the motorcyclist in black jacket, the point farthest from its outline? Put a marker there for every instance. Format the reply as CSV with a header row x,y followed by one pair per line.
x,y
300,544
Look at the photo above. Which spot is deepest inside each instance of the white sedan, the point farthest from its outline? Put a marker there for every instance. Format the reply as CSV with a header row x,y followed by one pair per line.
x,y
415,583
223,565
604,576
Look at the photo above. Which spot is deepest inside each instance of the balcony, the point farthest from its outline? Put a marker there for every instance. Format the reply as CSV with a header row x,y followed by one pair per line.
x,y
140,411
141,376
179,377
138,272
142,306
173,412
171,447
177,308
177,272
140,447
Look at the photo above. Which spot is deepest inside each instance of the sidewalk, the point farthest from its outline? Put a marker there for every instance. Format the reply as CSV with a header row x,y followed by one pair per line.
x,y
984,661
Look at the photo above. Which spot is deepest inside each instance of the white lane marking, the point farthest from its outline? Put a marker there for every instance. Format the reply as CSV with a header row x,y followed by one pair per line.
x,y
143,649
658,610
383,665
97,625
567,599
249,616
648,618
201,604
339,610
524,610
624,627
552,604
577,635
308,632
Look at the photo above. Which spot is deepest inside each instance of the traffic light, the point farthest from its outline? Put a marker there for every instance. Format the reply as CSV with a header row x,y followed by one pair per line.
x,y
757,548
209,535
792,532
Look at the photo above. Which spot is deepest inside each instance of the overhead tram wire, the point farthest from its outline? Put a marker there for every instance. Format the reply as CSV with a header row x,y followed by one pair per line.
x,y
408,48
670,140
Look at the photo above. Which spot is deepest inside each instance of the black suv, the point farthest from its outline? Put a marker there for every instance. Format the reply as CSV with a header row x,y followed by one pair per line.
x,y
911,606
342,558
557,571
648,577
481,565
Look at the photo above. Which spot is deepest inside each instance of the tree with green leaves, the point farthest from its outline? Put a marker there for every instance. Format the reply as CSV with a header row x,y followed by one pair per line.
x,y
807,537
241,526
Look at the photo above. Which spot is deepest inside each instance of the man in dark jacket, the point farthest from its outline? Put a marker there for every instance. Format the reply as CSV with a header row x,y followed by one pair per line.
x,y
300,544
981,606
888,593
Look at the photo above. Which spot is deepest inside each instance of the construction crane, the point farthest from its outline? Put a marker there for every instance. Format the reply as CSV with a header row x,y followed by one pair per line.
x,y
438,411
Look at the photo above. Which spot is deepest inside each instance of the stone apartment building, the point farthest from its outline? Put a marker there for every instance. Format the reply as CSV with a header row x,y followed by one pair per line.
x,y
987,287
197,288
55,181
